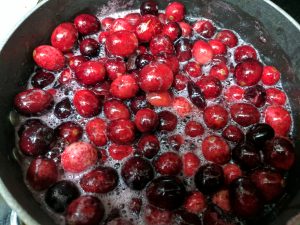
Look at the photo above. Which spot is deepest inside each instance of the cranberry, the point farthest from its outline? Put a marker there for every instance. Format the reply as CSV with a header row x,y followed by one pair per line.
x,y
115,109
141,50
29,123
218,47
244,114
170,60
245,199
90,73
133,19
75,61
221,199
87,24
231,172
138,103
155,216
148,146
85,210
166,192
228,38
172,30
60,195
233,133
149,7
121,24
211,87
280,153
86,103
96,131
124,87
89,47
183,49
64,37
275,96
102,90
121,43
121,131
159,99
41,174
256,95
69,132
175,11
215,117
180,82
219,71
193,129
143,60
103,36
175,141
260,133
196,96
270,75
195,203
246,155
205,28
78,157
168,121
248,72
279,119
182,106
209,178
137,172
135,205
168,163
119,152
49,58
191,163
193,69
202,52
42,79
244,52
161,44
148,27
65,76
106,23
183,217
100,180
234,93
146,120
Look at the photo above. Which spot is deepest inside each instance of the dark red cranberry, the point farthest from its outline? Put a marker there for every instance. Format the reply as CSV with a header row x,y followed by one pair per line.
x,y
260,133
231,172
42,79
149,7
146,120
124,87
270,75
234,94
106,23
75,61
168,121
186,29
89,47
175,11
218,47
244,114
119,152
233,133
172,30
148,27
248,72
183,50
65,76
279,119
193,129
193,69
63,109
244,52
87,24
143,60
180,82
64,37
219,71
148,146
161,44
211,87
246,155
137,172
209,178
100,180
275,96
155,216
69,132
202,52
90,73
191,163
215,117
115,109
133,19
256,95
121,24
228,38
60,195
166,192
168,163
205,28
135,205
138,103
96,131
182,217
121,131
86,103
29,123
196,96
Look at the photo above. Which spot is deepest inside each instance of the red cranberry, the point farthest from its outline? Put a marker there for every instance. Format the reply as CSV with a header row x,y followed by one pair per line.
x,y
221,199
170,60
270,75
219,71
64,37
41,174
202,52
78,157
89,47
146,120
168,121
86,103
175,11
121,24
215,117
196,96
275,96
193,129
191,164
138,103
183,217
183,50
155,216
121,43
161,44
246,155
279,119
193,69
87,24
124,87
186,29
233,133
69,132
280,153
100,180
180,82
85,210
102,90
65,76
121,131
96,131
244,52
248,72
182,106
90,73
211,87
149,7
256,95
115,109
135,205
231,172
244,114
166,192
143,60
103,36
42,79
234,93
148,27
155,77
148,146
228,38
168,163
106,23
137,173
195,203
159,99
260,133
172,30
133,19
75,61
209,178
218,47
119,152
205,28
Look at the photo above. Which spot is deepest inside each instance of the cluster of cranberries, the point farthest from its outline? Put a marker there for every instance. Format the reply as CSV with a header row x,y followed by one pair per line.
x,y
147,85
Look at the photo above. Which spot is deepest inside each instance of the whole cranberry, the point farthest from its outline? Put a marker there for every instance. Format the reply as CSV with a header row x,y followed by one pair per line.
x,y
279,119
168,163
149,7
193,69
186,29
172,30
244,52
148,27
121,43
143,60
215,117
193,129
60,195
64,37
155,216
191,164
161,44
89,47
248,72
183,217
87,24
90,73
148,146
205,28
75,61
133,19
106,23
231,172
159,99
275,96
221,199
244,114
246,155
63,109
121,24
124,87
175,141
219,71
234,94
233,133
100,180
96,131
182,106
86,103
256,95
139,102
146,120
167,121
137,173
195,203
121,131
42,79
228,38
33,102
183,49
170,60
115,68
116,109
180,82
260,133
119,152
218,47
69,132
270,75
211,87
202,52
175,11
166,192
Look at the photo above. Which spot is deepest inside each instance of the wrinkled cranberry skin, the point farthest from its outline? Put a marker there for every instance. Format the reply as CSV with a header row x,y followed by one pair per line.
x,y
260,133
87,24
248,72
137,173
42,79
146,120
168,121
215,117
182,217
196,95
85,210
63,109
124,87
161,44
175,11
168,163
244,52
244,114
121,131
143,60
100,180
148,146
86,103
60,195
148,27
149,7
115,109
204,28
89,47
90,73
228,38
155,216
64,37
138,103
233,133
69,132
246,155
256,95
183,49
96,131
279,119
211,87
166,192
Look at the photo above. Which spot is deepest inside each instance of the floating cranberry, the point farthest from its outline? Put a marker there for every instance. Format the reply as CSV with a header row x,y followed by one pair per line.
x,y
233,133
96,131
75,61
183,217
218,47
102,90
191,163
133,19
172,30
138,103
168,163
90,73
234,93
196,96
180,82
159,99
219,71
193,69
161,44
155,216
248,72
119,152
244,52
87,24
146,120
221,199
279,119
115,109
124,87
175,11
211,87
246,155
182,106
260,133
270,75
65,76
42,79
256,95
86,103
121,131
202,52
63,109
244,114
106,23
193,129
275,96
89,47
215,117
205,28
231,172
143,60
168,121
148,146
228,38
121,24
148,27
69,132
170,60
195,203
64,37
149,7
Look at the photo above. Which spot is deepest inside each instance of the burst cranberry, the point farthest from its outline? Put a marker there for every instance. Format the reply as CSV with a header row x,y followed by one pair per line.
x,y
211,87
148,27
135,205
175,11
234,93
65,76
219,71
172,30
275,96
41,174
180,82
96,131
76,60
90,73
42,79
246,155
78,157
87,24
218,47
195,95
64,37
159,99
270,75
155,216
161,44
244,52
106,23
204,28
89,47
191,163
170,60
244,114
168,121
279,119
115,109
183,50
120,24
168,163
256,95
260,133
149,7
215,117
228,38
146,120
148,146
143,60
86,103
124,87
100,180
69,132
221,199
233,133
193,69
202,52
248,72
231,172
138,103
121,131
182,106
115,68
193,129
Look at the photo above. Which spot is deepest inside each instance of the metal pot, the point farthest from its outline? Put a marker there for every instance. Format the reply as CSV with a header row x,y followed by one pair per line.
x,y
261,23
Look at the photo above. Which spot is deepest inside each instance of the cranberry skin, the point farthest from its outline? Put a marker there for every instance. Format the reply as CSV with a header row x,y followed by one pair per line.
x,y
245,199
33,102
60,195
76,60
244,52
180,82
155,77
148,146
256,95
275,96
103,36
159,99
231,172
78,157
161,44
41,174
280,153
138,103
121,131
168,163
234,94
191,164
248,72
270,75
149,7
215,117
233,133
116,109
204,28
244,114
246,155
175,11
69,132
193,69
166,192
121,24
124,87
183,49
85,210
195,95
143,60
218,47
182,106
211,87
115,68
228,38
148,27
260,133
63,109
64,37
119,152
49,58
146,120
137,173
89,47
100,180
167,121
87,24
90,73
172,30
202,52
42,79
106,23
121,43
96,131
155,216
219,71
193,129
86,103
279,119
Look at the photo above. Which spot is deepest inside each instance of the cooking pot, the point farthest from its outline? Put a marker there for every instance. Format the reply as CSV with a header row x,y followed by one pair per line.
x,y
273,32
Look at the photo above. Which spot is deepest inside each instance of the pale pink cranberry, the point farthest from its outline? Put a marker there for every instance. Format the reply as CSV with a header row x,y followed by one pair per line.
x,y
87,24
202,52
193,129
148,146
205,28
211,87
121,131
161,44
215,117
90,73
155,216
65,76
191,164
244,52
279,119
186,29
168,163
76,60
115,68
233,133
133,19
275,96
231,172
248,72
218,47
148,27
195,203
244,114
116,109
106,23
234,93
69,131
183,49
64,37
222,200
170,60
219,71
121,24
193,69
146,120
96,131
175,11
182,106
270,75
159,99
180,82
172,30
228,38
119,152
124,87
86,103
